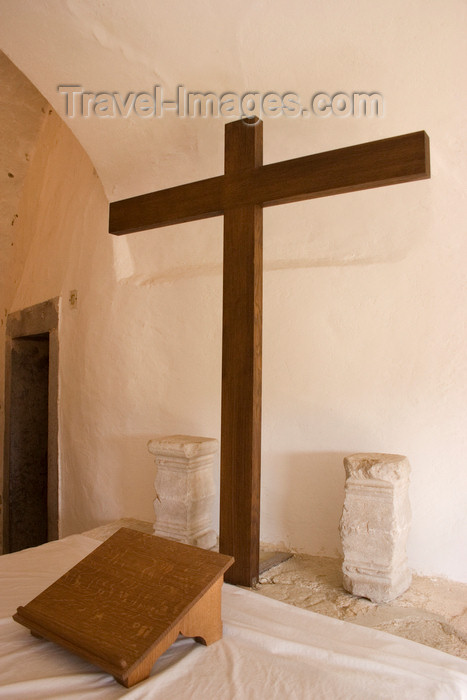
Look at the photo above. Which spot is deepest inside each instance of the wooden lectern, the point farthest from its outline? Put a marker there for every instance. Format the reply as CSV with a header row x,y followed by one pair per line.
x,y
125,603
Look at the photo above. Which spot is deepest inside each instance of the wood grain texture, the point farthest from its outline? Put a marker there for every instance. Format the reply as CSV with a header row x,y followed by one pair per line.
x,y
241,365
376,164
126,602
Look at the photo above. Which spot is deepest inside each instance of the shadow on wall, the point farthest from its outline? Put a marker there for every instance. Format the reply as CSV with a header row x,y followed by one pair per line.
x,y
123,486
311,505
302,493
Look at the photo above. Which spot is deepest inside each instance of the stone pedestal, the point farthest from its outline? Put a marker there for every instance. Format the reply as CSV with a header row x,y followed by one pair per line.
x,y
185,488
374,526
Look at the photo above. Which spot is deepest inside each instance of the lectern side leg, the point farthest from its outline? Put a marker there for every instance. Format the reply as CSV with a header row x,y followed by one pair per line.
x,y
203,621
142,669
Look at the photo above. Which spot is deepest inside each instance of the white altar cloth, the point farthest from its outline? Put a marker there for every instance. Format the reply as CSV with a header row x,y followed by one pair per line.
x,y
269,650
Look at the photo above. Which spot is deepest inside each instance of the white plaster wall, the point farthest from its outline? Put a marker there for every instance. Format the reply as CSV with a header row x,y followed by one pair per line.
x,y
22,111
365,296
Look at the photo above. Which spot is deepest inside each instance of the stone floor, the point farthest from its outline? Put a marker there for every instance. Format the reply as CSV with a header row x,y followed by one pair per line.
x,y
433,611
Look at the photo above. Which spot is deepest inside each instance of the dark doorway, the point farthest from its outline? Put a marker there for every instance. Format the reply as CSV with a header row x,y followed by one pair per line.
x,y
29,431
30,476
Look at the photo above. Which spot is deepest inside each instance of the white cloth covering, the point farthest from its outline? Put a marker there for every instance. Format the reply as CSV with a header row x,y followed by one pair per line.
x,y
269,650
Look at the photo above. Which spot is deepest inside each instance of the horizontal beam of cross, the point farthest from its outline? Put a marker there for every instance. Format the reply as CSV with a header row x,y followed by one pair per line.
x,y
367,165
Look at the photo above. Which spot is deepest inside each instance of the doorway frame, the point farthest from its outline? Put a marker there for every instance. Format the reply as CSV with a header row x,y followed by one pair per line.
x,y
32,321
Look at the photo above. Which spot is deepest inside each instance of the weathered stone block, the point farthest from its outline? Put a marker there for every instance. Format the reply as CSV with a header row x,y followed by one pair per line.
x,y
375,525
185,488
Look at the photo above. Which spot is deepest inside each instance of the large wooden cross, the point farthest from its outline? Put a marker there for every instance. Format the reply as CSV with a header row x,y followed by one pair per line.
x,y
240,195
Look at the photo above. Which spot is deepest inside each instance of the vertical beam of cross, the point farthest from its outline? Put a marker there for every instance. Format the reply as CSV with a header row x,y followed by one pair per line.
x,y
241,362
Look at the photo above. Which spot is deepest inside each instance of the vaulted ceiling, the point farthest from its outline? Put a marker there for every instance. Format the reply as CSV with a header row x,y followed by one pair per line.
x,y
300,46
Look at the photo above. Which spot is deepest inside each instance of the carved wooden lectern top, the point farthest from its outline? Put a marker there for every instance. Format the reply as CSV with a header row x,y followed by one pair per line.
x,y
125,603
